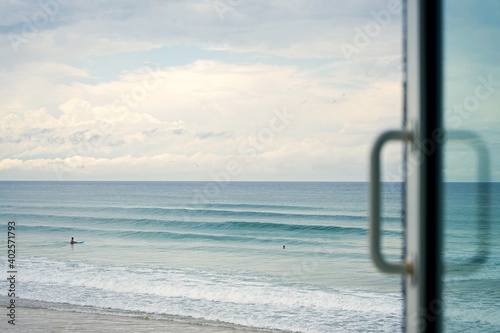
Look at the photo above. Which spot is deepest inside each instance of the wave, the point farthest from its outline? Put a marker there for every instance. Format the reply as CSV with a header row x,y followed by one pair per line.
x,y
258,206
211,230
229,296
229,206
192,214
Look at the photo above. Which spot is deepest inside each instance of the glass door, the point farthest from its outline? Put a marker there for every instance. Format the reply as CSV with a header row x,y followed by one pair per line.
x,y
422,134
424,165
452,257
471,83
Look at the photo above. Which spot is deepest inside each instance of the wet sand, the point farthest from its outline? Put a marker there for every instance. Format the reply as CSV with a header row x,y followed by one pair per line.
x,y
44,320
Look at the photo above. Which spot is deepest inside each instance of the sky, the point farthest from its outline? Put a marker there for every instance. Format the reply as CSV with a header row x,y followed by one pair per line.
x,y
278,90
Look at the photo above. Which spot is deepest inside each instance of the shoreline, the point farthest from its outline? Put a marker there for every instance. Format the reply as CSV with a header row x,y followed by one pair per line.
x,y
36,319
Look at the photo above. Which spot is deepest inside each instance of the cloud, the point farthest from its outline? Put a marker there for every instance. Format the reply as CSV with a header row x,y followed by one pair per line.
x,y
200,114
99,92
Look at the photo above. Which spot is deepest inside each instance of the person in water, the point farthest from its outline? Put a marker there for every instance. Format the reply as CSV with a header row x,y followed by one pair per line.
x,y
72,241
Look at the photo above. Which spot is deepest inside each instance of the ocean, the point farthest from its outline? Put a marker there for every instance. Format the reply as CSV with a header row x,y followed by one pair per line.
x,y
271,256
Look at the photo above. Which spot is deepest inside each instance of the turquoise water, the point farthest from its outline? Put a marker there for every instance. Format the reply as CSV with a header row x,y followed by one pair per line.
x,y
213,253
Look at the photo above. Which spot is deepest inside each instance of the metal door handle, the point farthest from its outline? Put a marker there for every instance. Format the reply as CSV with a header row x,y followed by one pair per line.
x,y
483,198
375,250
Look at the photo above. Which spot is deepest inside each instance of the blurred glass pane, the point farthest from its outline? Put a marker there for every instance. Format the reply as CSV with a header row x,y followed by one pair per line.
x,y
472,166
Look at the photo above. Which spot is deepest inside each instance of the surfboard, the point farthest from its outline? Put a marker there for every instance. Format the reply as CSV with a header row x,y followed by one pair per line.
x,y
77,242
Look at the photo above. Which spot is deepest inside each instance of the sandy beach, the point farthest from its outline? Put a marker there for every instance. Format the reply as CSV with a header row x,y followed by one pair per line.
x,y
44,320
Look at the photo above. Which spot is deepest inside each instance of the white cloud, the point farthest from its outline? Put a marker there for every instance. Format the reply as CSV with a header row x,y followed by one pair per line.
x,y
185,119
200,114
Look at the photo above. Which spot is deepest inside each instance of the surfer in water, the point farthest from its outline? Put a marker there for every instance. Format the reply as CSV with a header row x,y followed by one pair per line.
x,y
72,241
